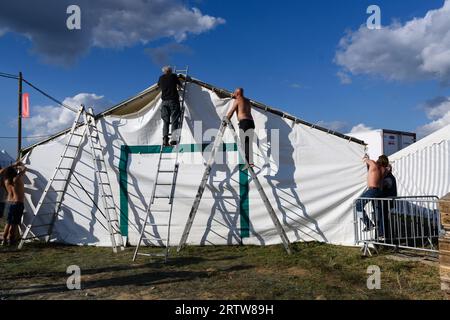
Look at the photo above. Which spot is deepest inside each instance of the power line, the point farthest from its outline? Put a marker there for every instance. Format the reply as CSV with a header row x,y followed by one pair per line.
x,y
8,75
12,76
49,96
31,137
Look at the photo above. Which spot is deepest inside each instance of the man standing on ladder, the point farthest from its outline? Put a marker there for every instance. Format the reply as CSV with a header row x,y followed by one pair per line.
x,y
243,108
170,109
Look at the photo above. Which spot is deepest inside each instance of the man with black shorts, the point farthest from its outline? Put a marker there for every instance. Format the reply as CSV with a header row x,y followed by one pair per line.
x,y
170,109
13,181
243,107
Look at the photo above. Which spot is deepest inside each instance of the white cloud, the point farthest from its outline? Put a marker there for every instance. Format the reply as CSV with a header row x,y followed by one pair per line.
x,y
142,22
333,125
361,128
104,23
162,55
296,86
344,77
416,50
48,120
438,111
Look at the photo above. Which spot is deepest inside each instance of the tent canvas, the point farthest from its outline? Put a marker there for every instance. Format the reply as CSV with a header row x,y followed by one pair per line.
x,y
311,182
424,167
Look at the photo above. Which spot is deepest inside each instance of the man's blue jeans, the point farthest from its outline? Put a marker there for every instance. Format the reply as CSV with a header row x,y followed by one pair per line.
x,y
360,204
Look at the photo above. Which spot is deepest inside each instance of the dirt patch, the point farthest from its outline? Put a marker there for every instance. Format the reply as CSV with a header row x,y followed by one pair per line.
x,y
297,272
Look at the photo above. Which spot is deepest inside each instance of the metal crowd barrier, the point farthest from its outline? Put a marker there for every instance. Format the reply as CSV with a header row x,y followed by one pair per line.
x,y
403,223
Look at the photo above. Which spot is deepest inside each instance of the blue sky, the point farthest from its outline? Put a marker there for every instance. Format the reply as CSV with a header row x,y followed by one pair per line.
x,y
284,53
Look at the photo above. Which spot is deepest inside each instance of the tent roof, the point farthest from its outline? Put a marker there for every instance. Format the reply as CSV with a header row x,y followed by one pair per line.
x,y
137,102
433,139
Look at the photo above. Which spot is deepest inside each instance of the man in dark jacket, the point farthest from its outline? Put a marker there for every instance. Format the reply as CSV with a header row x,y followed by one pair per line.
x,y
389,187
170,109
388,190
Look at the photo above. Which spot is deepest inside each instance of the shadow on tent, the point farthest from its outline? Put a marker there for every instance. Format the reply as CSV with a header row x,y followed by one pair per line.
x,y
113,136
224,194
65,225
284,186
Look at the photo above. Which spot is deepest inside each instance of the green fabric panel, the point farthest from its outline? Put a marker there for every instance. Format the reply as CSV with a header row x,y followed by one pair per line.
x,y
186,148
244,202
123,184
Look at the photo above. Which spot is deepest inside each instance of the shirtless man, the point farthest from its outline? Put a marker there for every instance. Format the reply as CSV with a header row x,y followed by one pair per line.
x,y
243,108
376,173
2,193
13,179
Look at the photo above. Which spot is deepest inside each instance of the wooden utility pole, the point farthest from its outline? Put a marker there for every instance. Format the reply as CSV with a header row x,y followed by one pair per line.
x,y
19,123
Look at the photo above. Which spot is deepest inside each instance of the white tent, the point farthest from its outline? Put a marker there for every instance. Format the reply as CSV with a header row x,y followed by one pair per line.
x,y
424,167
5,159
312,181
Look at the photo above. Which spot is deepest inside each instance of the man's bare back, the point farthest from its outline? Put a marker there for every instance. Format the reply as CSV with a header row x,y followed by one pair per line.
x,y
375,175
241,106
16,188
244,109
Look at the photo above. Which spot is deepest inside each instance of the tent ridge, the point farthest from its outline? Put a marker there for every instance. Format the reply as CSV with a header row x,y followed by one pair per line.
x,y
278,112
154,87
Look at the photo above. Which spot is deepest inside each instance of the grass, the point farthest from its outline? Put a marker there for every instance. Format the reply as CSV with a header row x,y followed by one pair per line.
x,y
313,271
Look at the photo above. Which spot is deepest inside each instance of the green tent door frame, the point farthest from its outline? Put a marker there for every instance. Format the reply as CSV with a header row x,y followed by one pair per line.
x,y
126,151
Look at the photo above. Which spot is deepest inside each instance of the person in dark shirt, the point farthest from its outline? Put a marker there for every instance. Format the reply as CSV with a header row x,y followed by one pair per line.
x,y
388,190
170,109
389,187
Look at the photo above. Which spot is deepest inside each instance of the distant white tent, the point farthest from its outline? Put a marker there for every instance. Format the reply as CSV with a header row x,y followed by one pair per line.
x,y
424,167
5,159
311,183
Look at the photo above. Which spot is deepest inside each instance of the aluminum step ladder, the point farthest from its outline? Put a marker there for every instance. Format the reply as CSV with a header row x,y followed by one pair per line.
x,y
217,144
47,209
103,182
163,192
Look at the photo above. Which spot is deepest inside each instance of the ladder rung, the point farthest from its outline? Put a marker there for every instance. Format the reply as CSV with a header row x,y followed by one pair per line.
x,y
154,238
68,169
44,214
162,197
152,254
41,225
34,237
102,171
72,146
166,171
68,157
160,211
164,184
107,196
157,225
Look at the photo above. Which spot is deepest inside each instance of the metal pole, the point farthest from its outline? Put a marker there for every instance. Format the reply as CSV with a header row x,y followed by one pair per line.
x,y
19,125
